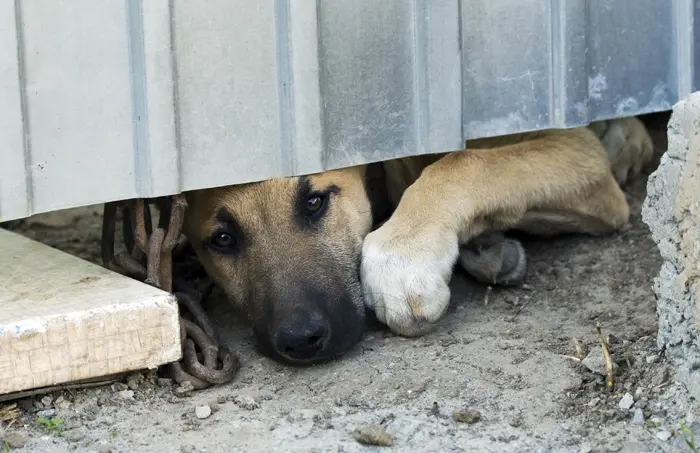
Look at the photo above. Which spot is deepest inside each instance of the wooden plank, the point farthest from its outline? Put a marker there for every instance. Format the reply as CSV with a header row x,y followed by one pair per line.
x,y
64,319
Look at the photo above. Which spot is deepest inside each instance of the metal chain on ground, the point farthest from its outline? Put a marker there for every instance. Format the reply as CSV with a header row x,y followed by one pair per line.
x,y
149,258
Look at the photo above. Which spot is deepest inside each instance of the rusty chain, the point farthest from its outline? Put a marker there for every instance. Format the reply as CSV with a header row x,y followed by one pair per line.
x,y
149,258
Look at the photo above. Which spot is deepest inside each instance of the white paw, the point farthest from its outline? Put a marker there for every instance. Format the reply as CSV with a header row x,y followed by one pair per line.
x,y
405,278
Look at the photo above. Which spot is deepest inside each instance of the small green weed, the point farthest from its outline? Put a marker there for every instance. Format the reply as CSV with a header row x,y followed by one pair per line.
x,y
51,425
688,437
5,446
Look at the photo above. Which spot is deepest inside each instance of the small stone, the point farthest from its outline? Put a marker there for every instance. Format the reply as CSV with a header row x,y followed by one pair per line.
x,y
466,416
221,400
585,448
184,389
626,402
47,401
62,404
119,386
595,361
107,448
15,439
46,413
133,382
202,412
126,395
165,382
74,435
652,359
246,402
663,435
660,377
638,418
593,402
373,435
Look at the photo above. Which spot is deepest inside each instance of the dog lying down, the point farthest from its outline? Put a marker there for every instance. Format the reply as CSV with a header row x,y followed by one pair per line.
x,y
303,257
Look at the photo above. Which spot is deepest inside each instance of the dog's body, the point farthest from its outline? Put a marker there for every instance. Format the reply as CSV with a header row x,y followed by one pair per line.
x,y
299,256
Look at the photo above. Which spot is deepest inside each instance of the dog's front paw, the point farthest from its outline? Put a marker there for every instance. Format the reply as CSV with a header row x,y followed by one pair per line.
x,y
405,278
629,147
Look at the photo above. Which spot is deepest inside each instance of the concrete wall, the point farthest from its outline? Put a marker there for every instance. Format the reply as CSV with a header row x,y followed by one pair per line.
x,y
672,211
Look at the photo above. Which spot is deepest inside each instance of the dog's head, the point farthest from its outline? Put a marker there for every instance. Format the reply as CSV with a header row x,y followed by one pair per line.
x,y
287,252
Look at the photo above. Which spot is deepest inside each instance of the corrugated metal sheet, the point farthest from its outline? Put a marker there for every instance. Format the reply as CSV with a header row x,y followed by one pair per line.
x,y
105,100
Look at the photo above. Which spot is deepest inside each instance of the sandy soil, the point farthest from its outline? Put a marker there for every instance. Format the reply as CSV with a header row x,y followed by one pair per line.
x,y
509,359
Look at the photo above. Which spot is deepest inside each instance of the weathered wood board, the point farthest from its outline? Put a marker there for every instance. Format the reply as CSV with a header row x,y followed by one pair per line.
x,y
63,319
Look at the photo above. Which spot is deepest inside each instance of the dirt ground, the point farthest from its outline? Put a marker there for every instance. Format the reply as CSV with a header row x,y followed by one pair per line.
x,y
510,356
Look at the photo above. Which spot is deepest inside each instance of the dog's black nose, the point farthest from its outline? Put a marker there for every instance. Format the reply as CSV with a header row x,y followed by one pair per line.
x,y
302,338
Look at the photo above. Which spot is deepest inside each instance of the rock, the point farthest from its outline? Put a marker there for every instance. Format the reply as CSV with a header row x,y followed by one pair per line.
x,y
119,387
74,435
246,402
184,389
638,418
595,361
202,412
46,413
661,376
593,402
165,382
126,395
466,416
373,435
626,402
585,448
133,381
663,435
652,359
47,401
15,439
107,448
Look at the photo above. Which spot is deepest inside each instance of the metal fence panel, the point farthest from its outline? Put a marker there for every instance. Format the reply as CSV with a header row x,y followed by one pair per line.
x,y
150,98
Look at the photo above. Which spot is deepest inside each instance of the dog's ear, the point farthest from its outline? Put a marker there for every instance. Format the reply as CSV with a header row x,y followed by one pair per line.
x,y
377,193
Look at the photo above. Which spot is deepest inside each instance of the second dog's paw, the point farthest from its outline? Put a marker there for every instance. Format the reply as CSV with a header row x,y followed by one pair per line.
x,y
629,147
494,259
405,278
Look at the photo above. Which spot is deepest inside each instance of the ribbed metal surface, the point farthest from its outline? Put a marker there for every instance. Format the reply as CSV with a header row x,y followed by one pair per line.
x,y
148,98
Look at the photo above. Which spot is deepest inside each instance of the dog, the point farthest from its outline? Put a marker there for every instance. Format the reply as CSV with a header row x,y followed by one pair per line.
x,y
304,257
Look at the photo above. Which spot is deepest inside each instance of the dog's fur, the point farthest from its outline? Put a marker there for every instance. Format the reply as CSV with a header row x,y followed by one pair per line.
x,y
300,257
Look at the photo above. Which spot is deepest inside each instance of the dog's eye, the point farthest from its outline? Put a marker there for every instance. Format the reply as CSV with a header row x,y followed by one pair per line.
x,y
314,204
223,241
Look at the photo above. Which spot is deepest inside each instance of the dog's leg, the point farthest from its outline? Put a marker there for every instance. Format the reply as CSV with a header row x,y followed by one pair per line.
x,y
408,262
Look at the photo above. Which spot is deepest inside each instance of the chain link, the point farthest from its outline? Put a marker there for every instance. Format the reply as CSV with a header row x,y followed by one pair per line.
x,y
149,258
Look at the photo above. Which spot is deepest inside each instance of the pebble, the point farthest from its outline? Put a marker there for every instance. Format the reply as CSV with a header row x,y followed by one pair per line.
x,y
638,418
595,361
46,413
184,389
202,412
373,435
15,440
660,377
127,395
47,400
663,435
246,402
626,402
132,382
119,386
652,359
221,399
74,435
107,448
165,382
466,416
585,448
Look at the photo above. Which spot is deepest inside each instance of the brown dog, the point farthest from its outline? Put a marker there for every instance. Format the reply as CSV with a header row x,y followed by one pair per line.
x,y
299,256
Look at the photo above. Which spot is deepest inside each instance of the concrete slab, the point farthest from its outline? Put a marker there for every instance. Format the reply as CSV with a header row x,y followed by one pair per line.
x,y
64,319
672,211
